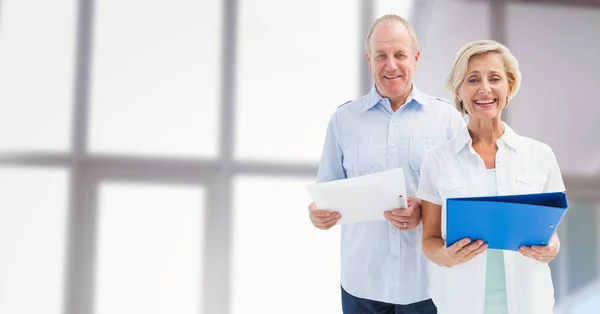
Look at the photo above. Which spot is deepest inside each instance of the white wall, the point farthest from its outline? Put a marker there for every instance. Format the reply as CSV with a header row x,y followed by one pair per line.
x,y
559,53
558,48
445,28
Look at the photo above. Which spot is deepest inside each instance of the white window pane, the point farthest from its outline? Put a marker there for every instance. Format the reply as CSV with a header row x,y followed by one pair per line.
x,y
155,85
280,261
557,84
37,62
150,240
298,61
33,215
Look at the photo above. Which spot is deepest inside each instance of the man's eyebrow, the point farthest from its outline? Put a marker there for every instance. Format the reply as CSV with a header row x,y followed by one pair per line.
x,y
397,51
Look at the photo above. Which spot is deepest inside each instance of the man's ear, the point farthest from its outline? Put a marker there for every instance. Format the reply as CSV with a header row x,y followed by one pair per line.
x,y
417,56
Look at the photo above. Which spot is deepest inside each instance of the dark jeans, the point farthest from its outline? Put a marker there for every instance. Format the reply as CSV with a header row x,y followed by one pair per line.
x,y
354,305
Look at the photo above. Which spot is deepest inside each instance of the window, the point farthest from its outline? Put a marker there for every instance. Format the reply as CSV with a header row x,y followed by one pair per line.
x,y
155,78
291,72
32,239
150,249
37,62
279,257
150,201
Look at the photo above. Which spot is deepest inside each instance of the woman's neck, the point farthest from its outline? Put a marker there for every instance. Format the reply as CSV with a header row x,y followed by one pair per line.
x,y
486,132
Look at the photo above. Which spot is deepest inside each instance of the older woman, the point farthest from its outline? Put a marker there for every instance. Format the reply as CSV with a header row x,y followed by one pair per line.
x,y
486,158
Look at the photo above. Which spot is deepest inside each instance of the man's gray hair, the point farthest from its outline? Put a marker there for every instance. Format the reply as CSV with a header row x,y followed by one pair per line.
x,y
391,17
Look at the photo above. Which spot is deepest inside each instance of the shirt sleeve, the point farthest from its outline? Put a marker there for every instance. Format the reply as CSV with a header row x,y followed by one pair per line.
x,y
427,190
554,181
330,166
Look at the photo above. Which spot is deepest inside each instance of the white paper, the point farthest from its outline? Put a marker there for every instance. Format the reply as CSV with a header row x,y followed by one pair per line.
x,y
363,198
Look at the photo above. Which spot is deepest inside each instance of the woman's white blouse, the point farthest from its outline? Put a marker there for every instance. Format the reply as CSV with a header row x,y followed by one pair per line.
x,y
454,169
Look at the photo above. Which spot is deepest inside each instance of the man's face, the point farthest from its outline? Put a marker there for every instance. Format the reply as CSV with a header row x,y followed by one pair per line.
x,y
392,59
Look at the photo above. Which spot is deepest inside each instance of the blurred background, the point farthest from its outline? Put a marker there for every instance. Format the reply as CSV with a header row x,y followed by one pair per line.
x,y
154,154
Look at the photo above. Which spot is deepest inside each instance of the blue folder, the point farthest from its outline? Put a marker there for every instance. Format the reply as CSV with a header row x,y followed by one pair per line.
x,y
505,222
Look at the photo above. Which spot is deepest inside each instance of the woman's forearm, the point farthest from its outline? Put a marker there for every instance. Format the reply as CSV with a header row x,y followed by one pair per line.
x,y
433,243
432,247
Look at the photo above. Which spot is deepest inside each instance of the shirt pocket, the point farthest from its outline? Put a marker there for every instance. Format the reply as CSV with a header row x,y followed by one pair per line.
x,y
529,183
359,157
452,187
418,146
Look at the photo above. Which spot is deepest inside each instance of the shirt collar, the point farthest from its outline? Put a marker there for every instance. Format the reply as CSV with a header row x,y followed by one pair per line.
x,y
510,138
373,98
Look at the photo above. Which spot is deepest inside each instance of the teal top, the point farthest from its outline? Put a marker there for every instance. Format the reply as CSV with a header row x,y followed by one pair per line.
x,y
495,280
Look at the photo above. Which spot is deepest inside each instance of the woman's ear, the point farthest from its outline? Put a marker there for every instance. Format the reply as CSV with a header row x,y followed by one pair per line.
x,y
511,89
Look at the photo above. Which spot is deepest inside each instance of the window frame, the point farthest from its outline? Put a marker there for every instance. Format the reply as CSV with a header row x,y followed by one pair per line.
x,y
87,171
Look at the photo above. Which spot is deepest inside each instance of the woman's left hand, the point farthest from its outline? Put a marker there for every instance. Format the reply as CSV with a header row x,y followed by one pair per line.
x,y
544,254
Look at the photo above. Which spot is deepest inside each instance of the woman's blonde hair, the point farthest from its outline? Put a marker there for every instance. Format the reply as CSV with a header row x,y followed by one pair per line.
x,y
481,47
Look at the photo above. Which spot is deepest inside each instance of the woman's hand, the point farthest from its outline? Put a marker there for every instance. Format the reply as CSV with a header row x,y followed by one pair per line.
x,y
434,246
543,254
460,252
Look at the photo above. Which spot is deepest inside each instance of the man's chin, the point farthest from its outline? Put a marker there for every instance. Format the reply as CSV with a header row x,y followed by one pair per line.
x,y
395,92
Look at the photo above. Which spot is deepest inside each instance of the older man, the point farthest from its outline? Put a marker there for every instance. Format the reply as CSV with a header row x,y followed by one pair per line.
x,y
383,267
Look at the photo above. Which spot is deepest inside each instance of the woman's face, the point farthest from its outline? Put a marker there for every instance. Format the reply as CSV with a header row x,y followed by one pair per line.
x,y
485,89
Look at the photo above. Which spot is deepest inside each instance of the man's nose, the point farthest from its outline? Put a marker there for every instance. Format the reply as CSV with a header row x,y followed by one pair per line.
x,y
391,65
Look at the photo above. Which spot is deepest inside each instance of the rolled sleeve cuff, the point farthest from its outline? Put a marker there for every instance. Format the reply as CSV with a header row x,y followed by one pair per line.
x,y
428,197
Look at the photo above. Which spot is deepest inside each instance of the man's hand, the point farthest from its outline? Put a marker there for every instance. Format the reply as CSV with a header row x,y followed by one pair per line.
x,y
543,254
323,218
405,218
